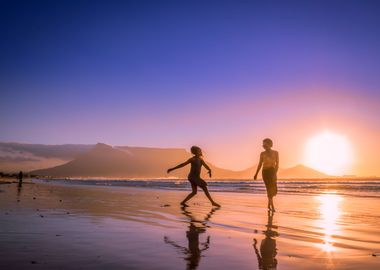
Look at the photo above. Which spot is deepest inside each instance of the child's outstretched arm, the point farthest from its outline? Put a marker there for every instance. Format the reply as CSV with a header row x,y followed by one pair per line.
x,y
179,166
259,166
207,167
174,244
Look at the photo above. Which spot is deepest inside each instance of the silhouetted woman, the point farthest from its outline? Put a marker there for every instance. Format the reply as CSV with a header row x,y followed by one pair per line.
x,y
269,160
194,176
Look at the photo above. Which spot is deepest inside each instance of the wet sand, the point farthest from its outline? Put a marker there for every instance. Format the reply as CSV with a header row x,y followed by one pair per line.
x,y
56,226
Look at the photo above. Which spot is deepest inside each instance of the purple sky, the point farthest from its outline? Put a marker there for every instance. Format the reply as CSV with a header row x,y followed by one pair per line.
x,y
221,74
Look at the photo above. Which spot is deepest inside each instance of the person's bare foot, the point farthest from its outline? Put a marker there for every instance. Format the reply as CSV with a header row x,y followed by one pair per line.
x,y
184,204
216,204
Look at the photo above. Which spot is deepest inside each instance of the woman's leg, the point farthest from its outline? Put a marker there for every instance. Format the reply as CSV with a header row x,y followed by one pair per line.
x,y
269,177
191,195
209,196
271,204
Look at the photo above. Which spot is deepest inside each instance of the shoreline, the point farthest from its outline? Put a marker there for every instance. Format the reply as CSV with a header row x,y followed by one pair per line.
x,y
66,226
349,188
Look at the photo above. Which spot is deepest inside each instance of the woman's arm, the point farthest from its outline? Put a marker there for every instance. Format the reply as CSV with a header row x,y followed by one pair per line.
x,y
179,166
277,161
256,250
259,166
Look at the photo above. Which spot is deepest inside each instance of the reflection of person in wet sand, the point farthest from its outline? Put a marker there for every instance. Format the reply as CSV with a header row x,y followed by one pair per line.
x,y
194,250
20,177
19,186
268,250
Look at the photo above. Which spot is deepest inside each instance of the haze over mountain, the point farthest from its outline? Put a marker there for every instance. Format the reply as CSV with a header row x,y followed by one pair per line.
x,y
140,162
27,157
101,160
123,161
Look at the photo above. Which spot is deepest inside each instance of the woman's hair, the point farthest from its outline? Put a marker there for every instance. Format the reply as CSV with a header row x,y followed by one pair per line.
x,y
195,150
268,141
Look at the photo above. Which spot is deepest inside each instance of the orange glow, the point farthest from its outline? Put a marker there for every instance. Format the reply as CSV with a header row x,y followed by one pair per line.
x,y
330,212
329,152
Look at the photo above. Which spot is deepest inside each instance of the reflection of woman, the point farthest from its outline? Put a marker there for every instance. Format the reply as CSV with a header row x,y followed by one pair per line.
x,y
195,248
268,250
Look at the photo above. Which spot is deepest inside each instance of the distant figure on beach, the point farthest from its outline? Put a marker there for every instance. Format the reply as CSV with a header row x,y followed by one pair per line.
x,y
20,177
269,160
195,174
268,248
193,252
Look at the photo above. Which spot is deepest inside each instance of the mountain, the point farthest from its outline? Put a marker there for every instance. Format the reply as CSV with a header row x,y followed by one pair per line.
x,y
126,162
101,160
26,157
143,162
296,172
300,171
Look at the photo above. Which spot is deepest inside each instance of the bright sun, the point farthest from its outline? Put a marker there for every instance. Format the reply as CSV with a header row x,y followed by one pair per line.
x,y
329,152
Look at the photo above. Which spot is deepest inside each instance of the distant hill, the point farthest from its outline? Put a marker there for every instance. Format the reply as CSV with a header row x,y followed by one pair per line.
x,y
296,172
300,171
124,162
141,162
26,157
101,160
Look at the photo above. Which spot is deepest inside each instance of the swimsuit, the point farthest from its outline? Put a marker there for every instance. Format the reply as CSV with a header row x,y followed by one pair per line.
x,y
195,173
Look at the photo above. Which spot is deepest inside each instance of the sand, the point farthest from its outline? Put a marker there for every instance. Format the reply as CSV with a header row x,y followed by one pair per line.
x,y
56,226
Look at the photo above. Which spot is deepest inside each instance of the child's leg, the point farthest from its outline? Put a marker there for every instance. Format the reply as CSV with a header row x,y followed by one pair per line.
x,y
191,195
209,196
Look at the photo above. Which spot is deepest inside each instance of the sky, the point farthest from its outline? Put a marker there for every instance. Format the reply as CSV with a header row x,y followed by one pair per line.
x,y
219,74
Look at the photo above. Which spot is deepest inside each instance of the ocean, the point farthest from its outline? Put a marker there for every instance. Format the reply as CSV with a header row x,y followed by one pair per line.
x,y
363,188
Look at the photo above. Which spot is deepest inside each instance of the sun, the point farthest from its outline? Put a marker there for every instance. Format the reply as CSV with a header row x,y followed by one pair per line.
x,y
329,152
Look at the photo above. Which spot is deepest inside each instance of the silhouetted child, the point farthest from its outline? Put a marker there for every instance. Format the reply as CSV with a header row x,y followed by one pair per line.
x,y
269,160
195,174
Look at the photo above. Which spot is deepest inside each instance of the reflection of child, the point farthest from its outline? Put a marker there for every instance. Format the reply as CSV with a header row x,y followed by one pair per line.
x,y
195,248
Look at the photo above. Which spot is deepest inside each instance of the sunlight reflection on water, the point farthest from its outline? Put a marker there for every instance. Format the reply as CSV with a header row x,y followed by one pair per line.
x,y
330,211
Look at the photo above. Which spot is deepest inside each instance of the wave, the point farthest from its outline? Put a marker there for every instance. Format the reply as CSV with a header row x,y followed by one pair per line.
x,y
351,188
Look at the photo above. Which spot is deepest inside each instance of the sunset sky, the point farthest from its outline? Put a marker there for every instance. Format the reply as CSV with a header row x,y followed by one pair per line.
x,y
222,75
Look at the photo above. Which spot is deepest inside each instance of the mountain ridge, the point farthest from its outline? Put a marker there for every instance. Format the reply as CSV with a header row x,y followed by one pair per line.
x,y
145,162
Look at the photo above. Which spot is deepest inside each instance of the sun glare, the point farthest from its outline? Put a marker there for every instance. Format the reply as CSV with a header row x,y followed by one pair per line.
x,y
329,152
330,212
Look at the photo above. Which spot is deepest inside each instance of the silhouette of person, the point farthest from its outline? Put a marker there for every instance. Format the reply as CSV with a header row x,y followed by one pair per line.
x,y
20,177
269,160
267,256
194,176
193,252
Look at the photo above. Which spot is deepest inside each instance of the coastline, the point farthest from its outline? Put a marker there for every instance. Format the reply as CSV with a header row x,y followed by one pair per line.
x,y
55,226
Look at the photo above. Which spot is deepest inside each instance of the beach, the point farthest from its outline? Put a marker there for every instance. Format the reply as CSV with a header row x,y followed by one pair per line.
x,y
55,225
